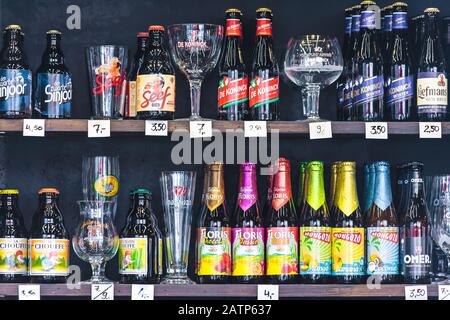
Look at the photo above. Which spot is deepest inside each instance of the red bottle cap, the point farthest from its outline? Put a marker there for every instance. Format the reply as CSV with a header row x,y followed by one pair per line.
x,y
48,190
152,28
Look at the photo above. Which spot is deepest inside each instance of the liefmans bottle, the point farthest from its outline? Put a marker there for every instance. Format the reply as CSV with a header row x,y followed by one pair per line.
x,y
315,229
369,186
141,244
417,34
53,96
213,230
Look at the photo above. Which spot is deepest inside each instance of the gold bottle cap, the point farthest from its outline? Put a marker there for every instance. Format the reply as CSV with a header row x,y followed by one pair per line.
x,y
53,31
263,10
432,10
347,166
13,27
48,190
356,6
368,3
9,191
399,4
231,10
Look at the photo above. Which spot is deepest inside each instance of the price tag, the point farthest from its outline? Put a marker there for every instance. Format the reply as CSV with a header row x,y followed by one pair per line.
x,y
320,130
268,292
200,129
254,129
29,292
376,130
430,130
34,127
102,291
444,292
142,292
416,293
99,128
156,128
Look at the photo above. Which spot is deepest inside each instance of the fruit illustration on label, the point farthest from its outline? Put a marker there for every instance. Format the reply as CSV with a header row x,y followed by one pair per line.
x,y
107,186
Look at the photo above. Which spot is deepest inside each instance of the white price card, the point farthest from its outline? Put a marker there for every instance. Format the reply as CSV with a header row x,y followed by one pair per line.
x,y
376,130
156,128
29,292
255,129
430,130
416,292
104,291
444,292
34,127
268,292
200,129
99,128
320,130
142,292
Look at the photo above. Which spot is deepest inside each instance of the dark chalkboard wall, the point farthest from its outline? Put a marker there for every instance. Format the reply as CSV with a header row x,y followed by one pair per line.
x,y
32,163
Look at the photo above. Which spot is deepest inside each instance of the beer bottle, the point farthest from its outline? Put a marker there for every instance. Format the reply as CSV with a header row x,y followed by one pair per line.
x,y
213,230
416,244
368,89
387,26
248,230
333,182
53,97
49,241
140,244
369,186
301,185
418,28
13,239
142,45
16,86
432,84
156,80
264,85
315,230
348,232
268,204
232,94
403,185
282,229
382,229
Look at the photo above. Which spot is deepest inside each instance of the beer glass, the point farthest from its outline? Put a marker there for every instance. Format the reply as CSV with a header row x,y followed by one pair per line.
x,y
96,240
195,49
107,75
177,189
313,62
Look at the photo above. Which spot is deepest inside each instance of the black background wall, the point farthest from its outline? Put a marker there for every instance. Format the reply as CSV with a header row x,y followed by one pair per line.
x,y
55,161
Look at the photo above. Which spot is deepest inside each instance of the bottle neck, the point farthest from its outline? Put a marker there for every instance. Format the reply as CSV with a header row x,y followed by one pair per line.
x,y
369,189
416,184
264,29
10,201
346,195
142,44
215,192
400,24
141,201
53,42
383,192
48,200
156,38
233,29
368,21
315,197
431,27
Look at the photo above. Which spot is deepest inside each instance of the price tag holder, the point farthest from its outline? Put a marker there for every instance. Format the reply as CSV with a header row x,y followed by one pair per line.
x,y
255,129
320,130
29,292
156,128
142,292
268,292
416,292
102,291
34,127
200,129
444,292
99,128
376,130
430,130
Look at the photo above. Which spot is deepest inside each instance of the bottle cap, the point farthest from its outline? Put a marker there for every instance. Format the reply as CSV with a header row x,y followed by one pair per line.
x,y
347,166
263,10
315,165
13,27
9,191
368,3
432,10
399,4
141,191
153,28
142,35
215,166
356,6
231,10
248,167
53,31
283,164
48,190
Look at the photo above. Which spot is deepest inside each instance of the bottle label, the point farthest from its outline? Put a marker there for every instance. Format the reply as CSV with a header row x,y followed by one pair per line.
x,y
387,23
214,197
416,259
263,91
400,89
49,257
155,92
15,90
232,92
382,250
214,251
282,251
246,197
263,27
315,250
400,20
233,28
13,256
432,90
109,76
281,196
348,25
348,94
54,94
356,23
370,89
132,97
347,251
368,19
133,256
107,186
248,251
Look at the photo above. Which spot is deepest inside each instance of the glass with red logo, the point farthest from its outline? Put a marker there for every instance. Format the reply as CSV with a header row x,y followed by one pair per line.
x,y
107,75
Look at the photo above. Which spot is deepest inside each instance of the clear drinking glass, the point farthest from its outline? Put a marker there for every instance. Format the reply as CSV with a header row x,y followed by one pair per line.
x,y
107,74
313,62
178,190
195,49
96,240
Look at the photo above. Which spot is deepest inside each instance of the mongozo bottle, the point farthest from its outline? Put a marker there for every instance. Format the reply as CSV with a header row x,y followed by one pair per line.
x,y
282,229
15,76
141,244
13,239
248,230
264,85
432,83
213,230
233,84
333,183
49,241
156,80
53,95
